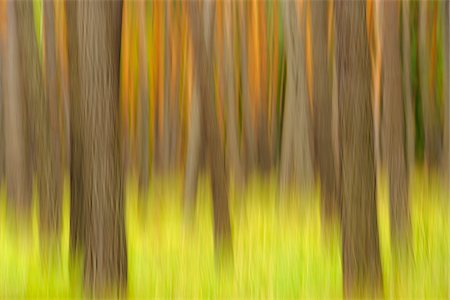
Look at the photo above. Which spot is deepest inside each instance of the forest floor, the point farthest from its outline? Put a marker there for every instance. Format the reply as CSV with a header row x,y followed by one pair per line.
x,y
280,248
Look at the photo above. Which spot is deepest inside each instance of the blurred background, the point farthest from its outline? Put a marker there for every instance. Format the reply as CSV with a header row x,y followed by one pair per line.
x,y
224,149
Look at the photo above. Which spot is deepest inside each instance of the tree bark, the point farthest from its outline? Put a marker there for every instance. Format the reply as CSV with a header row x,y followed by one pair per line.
x,y
409,106
432,129
322,94
229,93
202,17
46,130
394,110
17,165
445,23
167,92
296,160
360,247
144,163
97,218
247,128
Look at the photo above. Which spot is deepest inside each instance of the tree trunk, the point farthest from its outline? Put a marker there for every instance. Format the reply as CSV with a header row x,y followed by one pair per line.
x,y
167,92
322,85
97,195
46,128
448,89
445,23
360,248
394,110
247,127
427,86
193,152
144,163
77,205
17,165
296,162
229,94
202,17
409,107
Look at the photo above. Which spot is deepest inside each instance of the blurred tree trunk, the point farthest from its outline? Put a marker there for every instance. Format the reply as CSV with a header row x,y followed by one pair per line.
x,y
229,94
202,18
395,112
46,124
262,93
15,117
275,83
427,83
361,257
322,94
296,160
167,92
193,152
445,24
77,190
247,127
98,202
409,106
143,118
447,50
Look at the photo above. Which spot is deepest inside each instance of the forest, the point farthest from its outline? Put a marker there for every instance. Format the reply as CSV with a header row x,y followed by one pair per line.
x,y
224,149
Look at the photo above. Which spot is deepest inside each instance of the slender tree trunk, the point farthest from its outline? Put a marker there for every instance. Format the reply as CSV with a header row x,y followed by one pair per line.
x,y
322,95
167,92
46,127
193,152
394,109
144,163
77,189
361,257
249,137
409,107
446,87
296,162
17,165
228,84
97,217
262,94
427,86
202,16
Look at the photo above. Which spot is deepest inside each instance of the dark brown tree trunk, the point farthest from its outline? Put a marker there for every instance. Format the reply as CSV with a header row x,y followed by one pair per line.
x,y
296,159
202,17
77,206
46,128
432,128
409,106
445,23
97,195
322,88
144,163
394,114
15,113
360,247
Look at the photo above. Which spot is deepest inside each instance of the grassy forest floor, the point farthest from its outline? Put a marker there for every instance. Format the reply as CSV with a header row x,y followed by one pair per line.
x,y
280,251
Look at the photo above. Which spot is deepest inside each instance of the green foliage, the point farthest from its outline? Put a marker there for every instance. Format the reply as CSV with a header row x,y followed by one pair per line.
x,y
280,249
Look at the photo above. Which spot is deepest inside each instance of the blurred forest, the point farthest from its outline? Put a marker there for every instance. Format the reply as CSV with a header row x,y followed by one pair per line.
x,y
224,149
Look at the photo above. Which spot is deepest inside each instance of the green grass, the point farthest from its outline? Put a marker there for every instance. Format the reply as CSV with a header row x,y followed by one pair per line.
x,y
279,250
